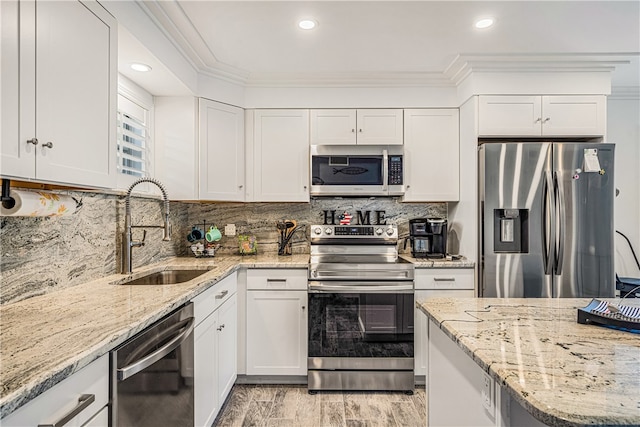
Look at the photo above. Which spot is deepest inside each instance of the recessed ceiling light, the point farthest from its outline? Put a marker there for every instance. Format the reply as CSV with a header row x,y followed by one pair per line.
x,y
484,23
141,67
307,24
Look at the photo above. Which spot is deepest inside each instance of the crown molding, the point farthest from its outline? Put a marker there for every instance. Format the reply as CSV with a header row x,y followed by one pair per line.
x,y
625,93
465,64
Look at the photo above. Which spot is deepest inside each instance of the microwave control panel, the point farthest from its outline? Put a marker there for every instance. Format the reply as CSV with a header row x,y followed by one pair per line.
x,y
395,170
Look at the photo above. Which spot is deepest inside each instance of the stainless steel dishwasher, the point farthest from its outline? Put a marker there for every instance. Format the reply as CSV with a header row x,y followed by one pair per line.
x,y
152,375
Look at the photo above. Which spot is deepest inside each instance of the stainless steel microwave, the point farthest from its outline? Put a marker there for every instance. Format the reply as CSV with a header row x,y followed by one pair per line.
x,y
353,170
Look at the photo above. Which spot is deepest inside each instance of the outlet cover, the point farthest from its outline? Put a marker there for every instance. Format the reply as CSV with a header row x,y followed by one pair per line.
x,y
230,230
486,393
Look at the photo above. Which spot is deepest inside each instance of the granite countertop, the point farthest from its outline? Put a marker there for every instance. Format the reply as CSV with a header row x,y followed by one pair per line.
x,y
45,339
562,372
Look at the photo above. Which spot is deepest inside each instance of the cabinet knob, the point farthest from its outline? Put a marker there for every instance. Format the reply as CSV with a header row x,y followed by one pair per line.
x,y
33,141
353,130
360,130
303,307
546,120
538,120
48,144
240,186
305,188
221,327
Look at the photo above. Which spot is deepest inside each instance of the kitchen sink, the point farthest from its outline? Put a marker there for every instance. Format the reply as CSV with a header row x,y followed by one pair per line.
x,y
166,277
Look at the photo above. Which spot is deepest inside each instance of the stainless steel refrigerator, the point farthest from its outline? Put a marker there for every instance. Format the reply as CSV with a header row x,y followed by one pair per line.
x,y
546,219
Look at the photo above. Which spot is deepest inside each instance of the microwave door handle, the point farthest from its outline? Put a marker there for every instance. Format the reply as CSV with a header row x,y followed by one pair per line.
x,y
385,170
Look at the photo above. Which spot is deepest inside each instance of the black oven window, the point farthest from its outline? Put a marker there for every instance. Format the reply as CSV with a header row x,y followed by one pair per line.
x,y
344,170
360,325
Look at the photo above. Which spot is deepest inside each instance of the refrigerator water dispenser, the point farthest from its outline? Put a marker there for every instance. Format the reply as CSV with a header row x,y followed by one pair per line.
x,y
511,231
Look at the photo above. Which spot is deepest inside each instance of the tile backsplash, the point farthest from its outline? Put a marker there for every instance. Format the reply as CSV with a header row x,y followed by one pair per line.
x,y
44,254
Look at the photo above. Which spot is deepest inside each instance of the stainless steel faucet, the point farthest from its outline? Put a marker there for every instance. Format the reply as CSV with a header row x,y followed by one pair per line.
x,y
127,240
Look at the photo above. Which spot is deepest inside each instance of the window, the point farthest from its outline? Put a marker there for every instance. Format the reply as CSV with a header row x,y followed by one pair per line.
x,y
134,142
132,138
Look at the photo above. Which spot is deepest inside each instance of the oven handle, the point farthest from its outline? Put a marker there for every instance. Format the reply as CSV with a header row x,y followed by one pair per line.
x,y
145,362
360,288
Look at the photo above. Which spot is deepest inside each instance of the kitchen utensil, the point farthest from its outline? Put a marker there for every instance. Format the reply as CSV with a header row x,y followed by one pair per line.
x,y
213,235
195,234
285,244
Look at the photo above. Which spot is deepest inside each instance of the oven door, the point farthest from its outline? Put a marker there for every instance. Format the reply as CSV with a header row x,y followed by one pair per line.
x,y
356,321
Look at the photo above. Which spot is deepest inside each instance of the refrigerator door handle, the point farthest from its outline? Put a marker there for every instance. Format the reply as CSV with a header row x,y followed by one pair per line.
x,y
561,219
547,209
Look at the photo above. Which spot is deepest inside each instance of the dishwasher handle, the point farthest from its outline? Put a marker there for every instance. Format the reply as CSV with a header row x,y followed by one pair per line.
x,y
146,361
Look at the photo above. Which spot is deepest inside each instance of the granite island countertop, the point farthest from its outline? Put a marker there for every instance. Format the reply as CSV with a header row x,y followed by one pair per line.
x,y
561,372
47,338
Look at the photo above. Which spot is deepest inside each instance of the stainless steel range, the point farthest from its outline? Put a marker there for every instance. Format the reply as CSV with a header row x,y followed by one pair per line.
x,y
361,307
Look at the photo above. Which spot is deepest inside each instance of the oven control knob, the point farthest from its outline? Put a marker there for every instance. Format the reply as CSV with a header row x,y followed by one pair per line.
x,y
328,230
378,231
390,231
317,231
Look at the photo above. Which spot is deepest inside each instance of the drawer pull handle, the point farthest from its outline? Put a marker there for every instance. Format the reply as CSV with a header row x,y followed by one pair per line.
x,y
83,402
276,280
444,279
222,294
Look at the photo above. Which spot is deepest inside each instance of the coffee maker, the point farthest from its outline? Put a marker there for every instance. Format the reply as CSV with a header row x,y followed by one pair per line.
x,y
428,237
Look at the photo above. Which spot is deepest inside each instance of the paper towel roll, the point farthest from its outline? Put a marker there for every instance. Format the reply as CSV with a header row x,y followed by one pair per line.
x,y
39,203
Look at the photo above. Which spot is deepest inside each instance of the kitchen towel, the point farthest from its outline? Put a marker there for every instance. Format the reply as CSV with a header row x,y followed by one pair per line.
x,y
39,203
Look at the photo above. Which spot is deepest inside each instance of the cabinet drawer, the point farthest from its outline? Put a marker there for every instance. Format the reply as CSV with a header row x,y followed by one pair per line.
x,y
64,398
208,301
275,278
444,278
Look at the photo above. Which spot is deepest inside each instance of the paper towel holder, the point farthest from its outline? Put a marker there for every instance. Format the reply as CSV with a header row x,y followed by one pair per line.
x,y
8,202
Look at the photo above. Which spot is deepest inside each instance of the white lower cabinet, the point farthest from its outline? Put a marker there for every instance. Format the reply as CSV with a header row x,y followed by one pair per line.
x,y
85,394
215,344
436,282
276,322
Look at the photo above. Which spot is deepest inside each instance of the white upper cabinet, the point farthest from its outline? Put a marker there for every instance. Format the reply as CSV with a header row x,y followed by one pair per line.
x,y
222,158
59,125
432,155
571,115
278,155
363,127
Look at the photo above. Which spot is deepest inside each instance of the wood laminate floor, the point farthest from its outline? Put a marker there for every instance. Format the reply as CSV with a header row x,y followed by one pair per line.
x,y
287,405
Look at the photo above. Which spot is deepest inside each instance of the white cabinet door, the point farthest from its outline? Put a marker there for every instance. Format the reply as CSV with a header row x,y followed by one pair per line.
x,y
375,126
17,157
574,115
380,127
64,398
333,127
276,332
67,93
206,399
175,146
221,152
226,347
432,155
281,156
510,116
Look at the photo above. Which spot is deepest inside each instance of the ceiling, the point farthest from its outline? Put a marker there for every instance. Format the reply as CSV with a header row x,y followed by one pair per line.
x,y
257,43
